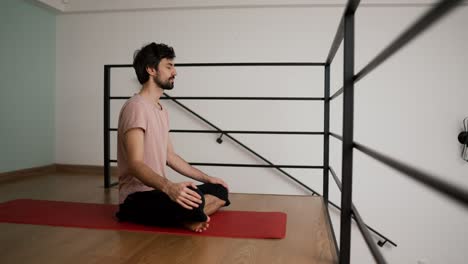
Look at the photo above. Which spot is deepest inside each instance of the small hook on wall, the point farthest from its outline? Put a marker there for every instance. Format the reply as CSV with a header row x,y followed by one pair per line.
x,y
463,139
220,140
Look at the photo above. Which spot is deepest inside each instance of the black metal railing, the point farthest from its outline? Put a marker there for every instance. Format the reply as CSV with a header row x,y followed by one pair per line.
x,y
107,129
217,130
345,33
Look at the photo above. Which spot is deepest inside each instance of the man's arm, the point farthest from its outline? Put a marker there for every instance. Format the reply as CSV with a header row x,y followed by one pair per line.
x,y
181,166
178,192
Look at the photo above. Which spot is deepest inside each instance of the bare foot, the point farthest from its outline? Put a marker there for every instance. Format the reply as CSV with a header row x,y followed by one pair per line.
x,y
198,226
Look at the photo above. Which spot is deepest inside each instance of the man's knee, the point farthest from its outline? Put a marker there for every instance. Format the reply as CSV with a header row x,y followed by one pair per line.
x,y
201,195
217,190
197,213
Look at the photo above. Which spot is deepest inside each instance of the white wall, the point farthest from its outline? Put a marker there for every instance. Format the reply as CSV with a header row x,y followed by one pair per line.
x,y
411,107
88,41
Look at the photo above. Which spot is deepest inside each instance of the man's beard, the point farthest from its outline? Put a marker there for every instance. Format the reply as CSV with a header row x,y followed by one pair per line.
x,y
167,85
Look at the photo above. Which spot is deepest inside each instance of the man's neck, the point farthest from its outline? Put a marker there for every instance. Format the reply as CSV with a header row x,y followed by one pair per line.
x,y
152,92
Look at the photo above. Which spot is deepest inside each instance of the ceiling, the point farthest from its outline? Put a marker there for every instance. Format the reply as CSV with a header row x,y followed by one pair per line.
x,y
79,6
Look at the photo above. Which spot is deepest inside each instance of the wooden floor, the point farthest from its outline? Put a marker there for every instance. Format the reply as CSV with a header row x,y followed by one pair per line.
x,y
307,236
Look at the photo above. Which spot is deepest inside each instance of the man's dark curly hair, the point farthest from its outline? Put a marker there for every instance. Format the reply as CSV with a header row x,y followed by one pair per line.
x,y
150,56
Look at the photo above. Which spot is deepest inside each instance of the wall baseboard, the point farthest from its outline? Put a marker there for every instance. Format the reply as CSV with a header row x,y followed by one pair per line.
x,y
84,169
20,174
55,168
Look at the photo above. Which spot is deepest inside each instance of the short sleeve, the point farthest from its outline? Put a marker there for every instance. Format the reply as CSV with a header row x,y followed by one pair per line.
x,y
132,116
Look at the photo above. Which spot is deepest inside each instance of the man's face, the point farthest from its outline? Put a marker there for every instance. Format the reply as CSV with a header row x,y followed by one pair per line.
x,y
165,74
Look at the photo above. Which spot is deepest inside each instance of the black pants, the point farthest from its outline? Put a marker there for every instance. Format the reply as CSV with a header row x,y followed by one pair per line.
x,y
156,208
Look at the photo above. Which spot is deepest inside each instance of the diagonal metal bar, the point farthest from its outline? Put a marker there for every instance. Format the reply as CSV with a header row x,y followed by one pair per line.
x,y
339,35
241,144
423,23
338,183
367,237
335,242
336,42
336,136
336,94
450,190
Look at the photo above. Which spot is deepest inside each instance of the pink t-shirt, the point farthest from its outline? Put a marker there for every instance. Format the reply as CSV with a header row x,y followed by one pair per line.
x,y
139,112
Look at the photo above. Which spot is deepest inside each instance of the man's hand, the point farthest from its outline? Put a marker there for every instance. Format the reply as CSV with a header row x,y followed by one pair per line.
x,y
183,195
215,180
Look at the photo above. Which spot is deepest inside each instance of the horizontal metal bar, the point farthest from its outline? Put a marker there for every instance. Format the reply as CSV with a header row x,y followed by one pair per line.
x,y
338,183
119,97
249,165
339,35
336,136
119,65
367,237
250,98
241,132
247,132
426,20
231,64
336,94
250,64
336,42
232,98
255,165
450,190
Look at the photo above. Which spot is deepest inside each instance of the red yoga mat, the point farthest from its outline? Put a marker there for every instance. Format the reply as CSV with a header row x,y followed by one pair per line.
x,y
240,224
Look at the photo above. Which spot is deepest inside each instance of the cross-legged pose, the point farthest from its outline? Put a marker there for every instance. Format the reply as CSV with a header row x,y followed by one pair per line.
x,y
144,148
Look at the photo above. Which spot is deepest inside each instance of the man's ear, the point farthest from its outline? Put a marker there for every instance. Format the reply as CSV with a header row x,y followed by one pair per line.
x,y
151,71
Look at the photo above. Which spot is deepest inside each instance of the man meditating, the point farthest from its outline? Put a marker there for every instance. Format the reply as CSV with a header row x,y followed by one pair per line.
x,y
146,195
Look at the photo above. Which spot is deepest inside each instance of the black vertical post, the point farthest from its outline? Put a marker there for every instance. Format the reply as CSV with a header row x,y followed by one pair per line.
x,y
348,122
106,126
326,134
